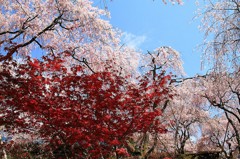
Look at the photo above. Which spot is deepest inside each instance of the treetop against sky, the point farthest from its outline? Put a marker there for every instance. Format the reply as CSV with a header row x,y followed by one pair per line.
x,y
110,87
150,24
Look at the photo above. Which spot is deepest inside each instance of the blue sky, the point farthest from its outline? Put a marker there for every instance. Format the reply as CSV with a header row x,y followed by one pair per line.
x,y
150,24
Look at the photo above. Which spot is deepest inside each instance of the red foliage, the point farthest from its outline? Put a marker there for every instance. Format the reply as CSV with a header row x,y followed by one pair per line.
x,y
74,113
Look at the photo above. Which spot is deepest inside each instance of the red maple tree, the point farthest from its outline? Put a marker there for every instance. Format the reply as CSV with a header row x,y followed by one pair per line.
x,y
77,114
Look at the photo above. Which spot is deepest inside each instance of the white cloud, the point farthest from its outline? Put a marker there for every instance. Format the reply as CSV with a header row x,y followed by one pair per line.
x,y
133,41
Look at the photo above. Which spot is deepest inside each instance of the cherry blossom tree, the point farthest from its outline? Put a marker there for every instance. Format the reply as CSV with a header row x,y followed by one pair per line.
x,y
218,135
43,23
163,58
56,27
222,92
220,22
221,86
186,115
